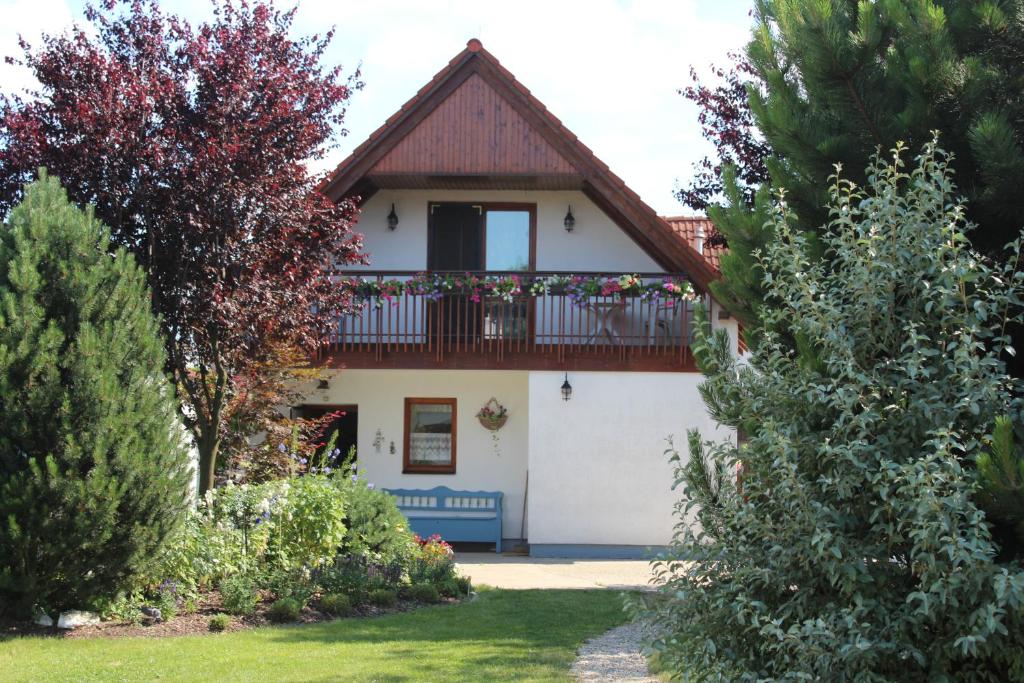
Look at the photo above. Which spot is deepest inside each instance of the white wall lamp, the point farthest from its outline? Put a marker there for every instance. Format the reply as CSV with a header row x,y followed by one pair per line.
x,y
570,220
392,218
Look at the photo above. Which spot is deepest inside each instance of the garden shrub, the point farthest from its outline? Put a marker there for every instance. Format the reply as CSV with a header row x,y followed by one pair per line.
x,y
1001,486
285,610
335,604
297,584
238,595
385,575
451,588
219,622
125,607
377,528
383,597
290,537
93,469
843,540
434,562
348,575
424,592
465,584
307,526
166,600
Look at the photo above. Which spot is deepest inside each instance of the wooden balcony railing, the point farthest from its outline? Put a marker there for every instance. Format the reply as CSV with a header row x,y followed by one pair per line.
x,y
550,320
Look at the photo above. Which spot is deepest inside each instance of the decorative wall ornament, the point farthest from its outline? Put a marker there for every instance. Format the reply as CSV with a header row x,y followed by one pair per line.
x,y
378,441
493,417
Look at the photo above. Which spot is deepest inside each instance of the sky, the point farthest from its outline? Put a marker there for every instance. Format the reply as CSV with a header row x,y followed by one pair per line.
x,y
609,69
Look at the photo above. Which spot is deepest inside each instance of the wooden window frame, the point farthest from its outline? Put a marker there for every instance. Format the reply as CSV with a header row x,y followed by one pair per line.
x,y
407,466
529,208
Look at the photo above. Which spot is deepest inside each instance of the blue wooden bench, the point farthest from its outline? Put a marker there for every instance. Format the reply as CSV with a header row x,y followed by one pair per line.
x,y
455,515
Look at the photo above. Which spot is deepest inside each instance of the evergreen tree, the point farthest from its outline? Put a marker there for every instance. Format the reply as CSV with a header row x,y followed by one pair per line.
x,y
836,81
93,470
850,546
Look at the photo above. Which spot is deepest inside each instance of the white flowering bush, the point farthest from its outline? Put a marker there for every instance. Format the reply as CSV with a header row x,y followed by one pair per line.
x,y
844,541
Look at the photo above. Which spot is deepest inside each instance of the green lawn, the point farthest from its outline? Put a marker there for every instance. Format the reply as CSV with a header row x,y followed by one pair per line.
x,y
502,635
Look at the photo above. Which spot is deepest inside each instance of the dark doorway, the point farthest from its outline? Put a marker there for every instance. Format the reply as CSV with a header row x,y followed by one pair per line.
x,y
345,423
455,237
455,242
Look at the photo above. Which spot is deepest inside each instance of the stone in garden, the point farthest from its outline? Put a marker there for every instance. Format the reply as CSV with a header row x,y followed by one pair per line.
x,y
75,618
153,615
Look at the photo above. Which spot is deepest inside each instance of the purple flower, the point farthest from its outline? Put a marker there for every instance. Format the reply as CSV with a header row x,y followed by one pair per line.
x,y
327,470
355,478
282,448
335,452
370,486
302,460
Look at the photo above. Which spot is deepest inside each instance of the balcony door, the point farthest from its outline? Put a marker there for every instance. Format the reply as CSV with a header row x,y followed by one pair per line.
x,y
455,241
499,238
455,237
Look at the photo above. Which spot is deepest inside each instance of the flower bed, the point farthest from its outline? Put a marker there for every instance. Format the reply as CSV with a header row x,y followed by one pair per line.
x,y
303,549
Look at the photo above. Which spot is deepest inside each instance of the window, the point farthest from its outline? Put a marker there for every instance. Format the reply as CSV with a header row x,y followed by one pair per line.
x,y
507,239
429,436
487,236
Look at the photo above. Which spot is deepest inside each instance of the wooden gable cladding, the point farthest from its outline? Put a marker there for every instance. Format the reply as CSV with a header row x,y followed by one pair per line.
x,y
474,131
442,145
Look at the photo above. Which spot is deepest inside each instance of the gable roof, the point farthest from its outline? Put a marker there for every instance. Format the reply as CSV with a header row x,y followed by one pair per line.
x,y
547,155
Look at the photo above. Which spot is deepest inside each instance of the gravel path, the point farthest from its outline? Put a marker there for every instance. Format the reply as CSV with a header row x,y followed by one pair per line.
x,y
613,656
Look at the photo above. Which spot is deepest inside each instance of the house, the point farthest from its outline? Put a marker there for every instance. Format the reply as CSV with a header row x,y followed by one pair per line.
x,y
502,260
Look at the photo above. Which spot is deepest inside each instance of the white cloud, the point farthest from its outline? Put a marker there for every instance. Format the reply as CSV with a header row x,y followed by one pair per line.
x,y
609,69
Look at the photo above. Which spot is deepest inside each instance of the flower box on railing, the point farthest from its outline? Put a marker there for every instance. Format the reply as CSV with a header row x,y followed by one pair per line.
x,y
479,287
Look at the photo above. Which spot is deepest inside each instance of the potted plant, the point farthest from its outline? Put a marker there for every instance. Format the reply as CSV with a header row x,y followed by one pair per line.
x,y
493,415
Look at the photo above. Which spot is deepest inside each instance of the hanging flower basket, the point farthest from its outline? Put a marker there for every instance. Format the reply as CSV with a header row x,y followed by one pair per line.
x,y
493,415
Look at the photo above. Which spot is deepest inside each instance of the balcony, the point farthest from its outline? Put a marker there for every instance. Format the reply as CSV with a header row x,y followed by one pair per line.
x,y
517,321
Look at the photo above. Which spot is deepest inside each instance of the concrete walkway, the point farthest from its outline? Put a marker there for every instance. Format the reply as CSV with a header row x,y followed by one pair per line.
x,y
514,571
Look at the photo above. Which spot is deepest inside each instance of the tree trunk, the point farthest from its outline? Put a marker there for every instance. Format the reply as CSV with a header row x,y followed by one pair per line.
x,y
209,449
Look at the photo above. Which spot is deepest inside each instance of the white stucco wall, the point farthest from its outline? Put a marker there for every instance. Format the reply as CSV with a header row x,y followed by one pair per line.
x,y
598,472
380,397
596,243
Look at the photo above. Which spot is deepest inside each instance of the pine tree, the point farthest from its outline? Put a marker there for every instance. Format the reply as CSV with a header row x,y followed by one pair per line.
x,y
838,81
851,546
93,470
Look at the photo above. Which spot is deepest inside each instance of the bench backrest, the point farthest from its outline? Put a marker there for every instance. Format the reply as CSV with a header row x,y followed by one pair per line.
x,y
449,500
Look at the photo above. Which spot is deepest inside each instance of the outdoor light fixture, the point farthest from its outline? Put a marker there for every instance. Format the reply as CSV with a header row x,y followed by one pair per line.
x,y
566,387
393,218
323,384
570,223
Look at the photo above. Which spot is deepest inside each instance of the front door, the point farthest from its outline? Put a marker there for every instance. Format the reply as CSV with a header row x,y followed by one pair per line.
x,y
455,242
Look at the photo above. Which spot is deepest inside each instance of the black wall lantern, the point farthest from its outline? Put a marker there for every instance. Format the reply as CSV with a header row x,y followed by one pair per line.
x,y
570,222
392,219
566,388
